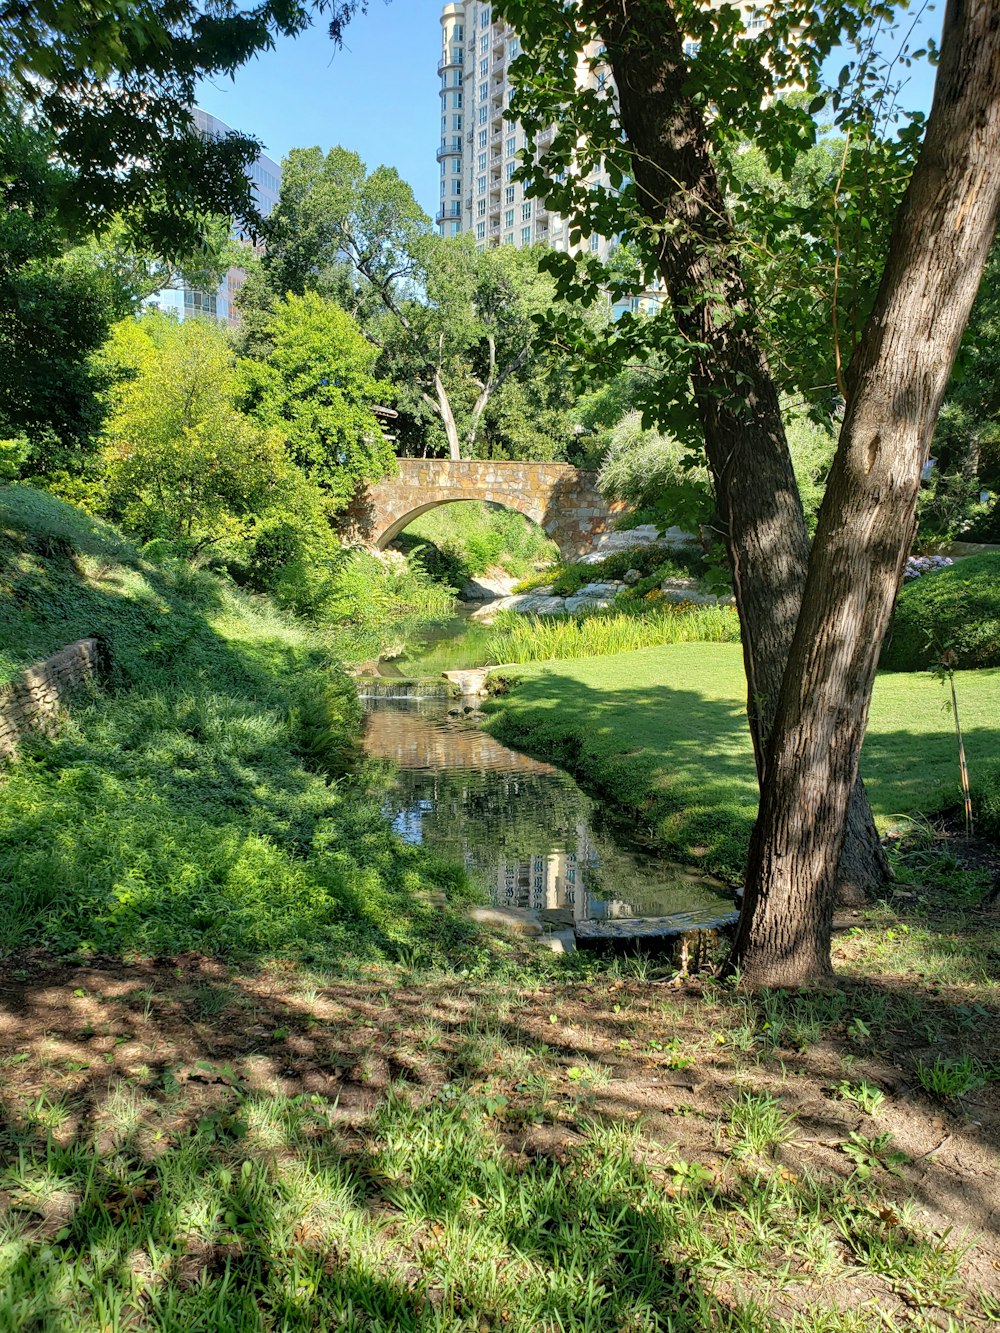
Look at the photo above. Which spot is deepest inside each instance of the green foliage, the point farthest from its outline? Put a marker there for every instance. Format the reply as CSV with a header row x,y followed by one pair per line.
x,y
328,724
173,813
957,608
462,540
316,386
864,1095
520,638
665,482
947,1078
180,461
455,325
967,439
116,90
986,800
652,561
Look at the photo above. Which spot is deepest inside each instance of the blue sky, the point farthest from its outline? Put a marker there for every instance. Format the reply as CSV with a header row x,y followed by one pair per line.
x,y
377,95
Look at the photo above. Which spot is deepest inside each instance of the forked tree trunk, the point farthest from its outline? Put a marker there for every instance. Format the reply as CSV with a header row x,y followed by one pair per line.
x,y
756,493
896,382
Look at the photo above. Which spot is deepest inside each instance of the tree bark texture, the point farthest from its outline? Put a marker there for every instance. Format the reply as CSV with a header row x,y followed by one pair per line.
x,y
895,383
756,493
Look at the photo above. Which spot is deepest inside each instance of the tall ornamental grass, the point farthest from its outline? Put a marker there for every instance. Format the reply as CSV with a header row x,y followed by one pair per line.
x,y
518,638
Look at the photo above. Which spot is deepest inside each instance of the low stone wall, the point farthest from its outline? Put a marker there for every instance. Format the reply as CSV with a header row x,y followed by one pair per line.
x,y
33,700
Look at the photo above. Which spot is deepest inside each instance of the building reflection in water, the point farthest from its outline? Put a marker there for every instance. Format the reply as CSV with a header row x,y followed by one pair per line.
x,y
523,829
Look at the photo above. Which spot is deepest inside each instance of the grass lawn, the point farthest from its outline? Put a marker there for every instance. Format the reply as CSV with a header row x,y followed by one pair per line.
x,y
663,732
191,1148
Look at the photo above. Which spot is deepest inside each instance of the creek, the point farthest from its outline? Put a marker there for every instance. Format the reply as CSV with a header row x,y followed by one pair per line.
x,y
524,830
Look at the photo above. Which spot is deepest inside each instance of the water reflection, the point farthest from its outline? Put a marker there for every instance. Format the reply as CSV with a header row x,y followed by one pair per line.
x,y
522,828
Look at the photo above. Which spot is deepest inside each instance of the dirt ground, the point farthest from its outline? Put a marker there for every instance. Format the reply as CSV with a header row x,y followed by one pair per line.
x,y
187,1034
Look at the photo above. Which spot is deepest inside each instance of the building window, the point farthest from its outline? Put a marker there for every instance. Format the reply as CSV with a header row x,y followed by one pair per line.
x,y
513,49
481,208
483,136
480,185
525,235
456,100
480,230
483,92
510,169
485,17
459,33
509,194
525,212
509,238
481,162
456,166
456,187
484,68
508,218
512,145
691,49
484,113
595,244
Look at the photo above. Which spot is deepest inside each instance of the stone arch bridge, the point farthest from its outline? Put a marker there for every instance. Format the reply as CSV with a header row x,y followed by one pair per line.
x,y
563,500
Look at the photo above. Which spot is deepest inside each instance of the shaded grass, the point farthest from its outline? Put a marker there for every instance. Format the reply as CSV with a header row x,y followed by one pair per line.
x,y
207,800
419,1151
662,733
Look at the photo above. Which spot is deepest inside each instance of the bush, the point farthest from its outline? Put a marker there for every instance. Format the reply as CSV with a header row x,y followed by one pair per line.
x,y
957,608
462,540
986,802
656,562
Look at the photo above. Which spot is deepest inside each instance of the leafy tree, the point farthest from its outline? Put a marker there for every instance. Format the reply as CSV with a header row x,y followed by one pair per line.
x,y
966,444
668,194
317,387
454,325
115,85
58,299
180,461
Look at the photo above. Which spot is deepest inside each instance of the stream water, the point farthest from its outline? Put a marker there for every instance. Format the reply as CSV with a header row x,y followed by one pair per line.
x,y
523,829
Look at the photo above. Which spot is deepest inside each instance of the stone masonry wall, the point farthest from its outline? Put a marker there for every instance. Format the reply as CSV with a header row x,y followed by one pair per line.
x,y
33,700
563,499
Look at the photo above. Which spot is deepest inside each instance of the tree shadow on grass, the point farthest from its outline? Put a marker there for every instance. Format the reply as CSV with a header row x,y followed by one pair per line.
x,y
262,1152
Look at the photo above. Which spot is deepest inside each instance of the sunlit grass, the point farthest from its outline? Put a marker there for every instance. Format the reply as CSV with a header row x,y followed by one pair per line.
x,y
663,732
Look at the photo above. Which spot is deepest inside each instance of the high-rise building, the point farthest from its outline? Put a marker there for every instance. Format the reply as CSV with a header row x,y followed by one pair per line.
x,y
478,151
185,301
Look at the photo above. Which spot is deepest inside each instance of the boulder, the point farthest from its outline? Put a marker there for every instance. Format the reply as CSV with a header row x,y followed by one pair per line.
x,y
632,576
517,919
487,589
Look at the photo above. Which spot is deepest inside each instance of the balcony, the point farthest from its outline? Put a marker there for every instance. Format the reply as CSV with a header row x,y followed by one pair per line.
x,y
448,213
449,62
450,148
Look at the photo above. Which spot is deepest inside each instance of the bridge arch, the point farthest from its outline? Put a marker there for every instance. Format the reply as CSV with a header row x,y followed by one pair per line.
x,y
562,499
400,524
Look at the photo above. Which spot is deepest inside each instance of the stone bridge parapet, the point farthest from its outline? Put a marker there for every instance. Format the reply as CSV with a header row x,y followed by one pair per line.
x,y
562,499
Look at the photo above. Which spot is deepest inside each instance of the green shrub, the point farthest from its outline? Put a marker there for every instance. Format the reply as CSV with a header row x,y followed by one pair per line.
x,y
986,801
655,563
957,608
328,723
458,541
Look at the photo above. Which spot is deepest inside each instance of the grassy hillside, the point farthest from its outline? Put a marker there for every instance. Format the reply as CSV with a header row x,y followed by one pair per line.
x,y
663,730
197,802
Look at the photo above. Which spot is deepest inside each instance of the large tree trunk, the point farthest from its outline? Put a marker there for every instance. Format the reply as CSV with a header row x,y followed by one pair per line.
x,y
756,493
896,382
